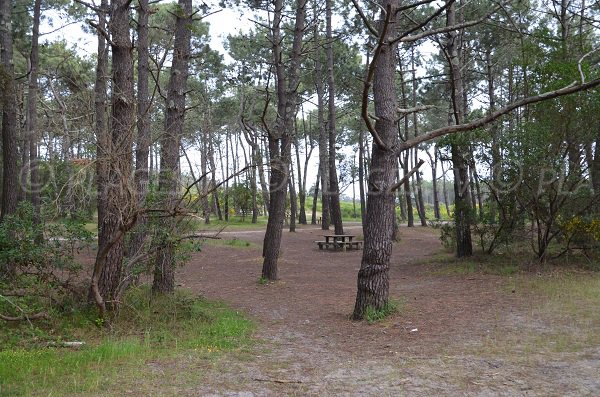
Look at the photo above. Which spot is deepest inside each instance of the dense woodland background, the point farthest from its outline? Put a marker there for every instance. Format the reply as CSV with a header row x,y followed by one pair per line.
x,y
158,134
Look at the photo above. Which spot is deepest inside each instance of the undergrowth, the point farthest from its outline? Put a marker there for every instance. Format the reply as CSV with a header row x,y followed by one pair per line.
x,y
145,328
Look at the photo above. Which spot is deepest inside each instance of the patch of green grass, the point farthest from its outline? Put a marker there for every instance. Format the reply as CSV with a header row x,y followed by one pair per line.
x,y
146,328
231,242
234,223
373,315
237,242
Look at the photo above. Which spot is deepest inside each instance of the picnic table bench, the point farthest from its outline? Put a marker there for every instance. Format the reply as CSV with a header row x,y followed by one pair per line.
x,y
339,241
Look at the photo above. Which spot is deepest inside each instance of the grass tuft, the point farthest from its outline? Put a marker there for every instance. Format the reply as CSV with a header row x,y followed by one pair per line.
x,y
373,315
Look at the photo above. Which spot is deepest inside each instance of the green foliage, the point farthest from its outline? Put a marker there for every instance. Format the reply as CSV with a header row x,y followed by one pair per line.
x,y
448,236
43,248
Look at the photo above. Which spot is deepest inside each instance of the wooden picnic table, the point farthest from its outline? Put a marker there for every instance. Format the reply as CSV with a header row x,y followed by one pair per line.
x,y
342,241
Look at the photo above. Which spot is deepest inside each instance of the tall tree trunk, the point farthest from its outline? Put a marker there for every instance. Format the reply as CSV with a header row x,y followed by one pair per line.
x,y
401,201
334,191
206,182
361,175
323,138
213,175
164,270
436,199
10,173
419,196
287,80
373,277
119,205
102,138
462,207
595,170
445,191
301,191
32,117
142,145
407,194
495,132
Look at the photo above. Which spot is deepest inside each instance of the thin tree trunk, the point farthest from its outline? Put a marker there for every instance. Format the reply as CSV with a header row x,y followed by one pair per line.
x,y
313,220
462,207
323,138
445,191
32,117
142,146
287,80
293,201
102,137
361,174
301,191
407,194
164,270
334,191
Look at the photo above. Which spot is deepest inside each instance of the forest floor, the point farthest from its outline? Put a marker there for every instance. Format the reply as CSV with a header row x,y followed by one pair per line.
x,y
454,334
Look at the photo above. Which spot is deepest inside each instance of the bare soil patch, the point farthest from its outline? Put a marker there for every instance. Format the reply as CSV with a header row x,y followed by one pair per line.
x,y
454,334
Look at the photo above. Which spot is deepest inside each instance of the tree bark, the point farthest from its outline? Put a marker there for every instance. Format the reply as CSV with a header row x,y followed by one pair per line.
x,y
102,137
301,191
293,200
373,277
32,118
462,207
287,80
313,220
10,172
119,205
334,191
142,145
164,270
323,137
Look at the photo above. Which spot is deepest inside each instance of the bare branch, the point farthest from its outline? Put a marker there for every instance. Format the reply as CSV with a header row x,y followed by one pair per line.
x,y
25,317
433,32
362,15
581,60
415,109
570,89
406,177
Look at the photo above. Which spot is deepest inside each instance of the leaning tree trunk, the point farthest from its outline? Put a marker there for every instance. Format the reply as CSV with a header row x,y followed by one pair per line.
x,y
373,278
168,188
